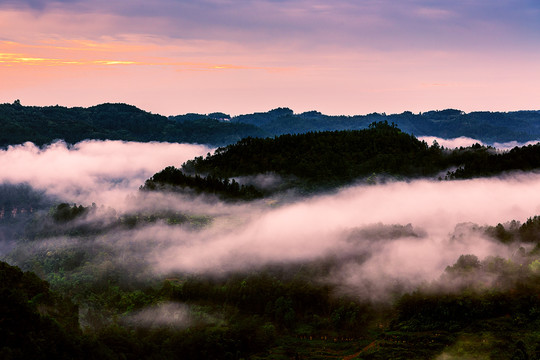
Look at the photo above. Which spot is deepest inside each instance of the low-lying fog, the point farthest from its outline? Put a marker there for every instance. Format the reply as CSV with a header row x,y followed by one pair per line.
x,y
103,172
355,224
467,141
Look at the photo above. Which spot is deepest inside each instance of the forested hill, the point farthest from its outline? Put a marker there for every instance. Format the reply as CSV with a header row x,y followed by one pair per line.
x,y
325,160
488,127
308,161
322,156
43,125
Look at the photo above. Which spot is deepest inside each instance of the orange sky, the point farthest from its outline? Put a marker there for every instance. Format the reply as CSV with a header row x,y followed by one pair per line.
x,y
343,57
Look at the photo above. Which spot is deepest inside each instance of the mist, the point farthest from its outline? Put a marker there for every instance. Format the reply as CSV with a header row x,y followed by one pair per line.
x,y
464,141
169,314
91,171
403,233
319,227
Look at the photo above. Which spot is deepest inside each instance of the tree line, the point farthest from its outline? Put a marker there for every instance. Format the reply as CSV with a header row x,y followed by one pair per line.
x,y
317,161
42,125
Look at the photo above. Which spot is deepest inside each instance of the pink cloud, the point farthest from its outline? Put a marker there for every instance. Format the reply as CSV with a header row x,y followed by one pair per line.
x,y
347,226
344,58
91,171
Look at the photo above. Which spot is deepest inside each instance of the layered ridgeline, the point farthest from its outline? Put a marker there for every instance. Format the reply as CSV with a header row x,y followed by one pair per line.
x,y
489,127
254,167
43,125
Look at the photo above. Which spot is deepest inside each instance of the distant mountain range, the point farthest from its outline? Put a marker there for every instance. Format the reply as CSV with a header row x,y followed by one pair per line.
x,y
42,125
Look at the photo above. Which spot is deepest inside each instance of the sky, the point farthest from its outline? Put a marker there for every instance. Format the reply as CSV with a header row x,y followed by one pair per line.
x,y
338,57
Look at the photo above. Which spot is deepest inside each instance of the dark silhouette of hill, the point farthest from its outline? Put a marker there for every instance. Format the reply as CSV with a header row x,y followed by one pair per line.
x,y
37,323
42,125
330,156
310,161
324,160
488,127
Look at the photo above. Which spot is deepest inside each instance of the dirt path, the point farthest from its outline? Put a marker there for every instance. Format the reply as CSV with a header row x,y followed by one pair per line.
x,y
370,346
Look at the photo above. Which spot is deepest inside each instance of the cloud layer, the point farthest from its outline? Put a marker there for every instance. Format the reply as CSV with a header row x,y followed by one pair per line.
x,y
346,22
91,171
466,142
378,235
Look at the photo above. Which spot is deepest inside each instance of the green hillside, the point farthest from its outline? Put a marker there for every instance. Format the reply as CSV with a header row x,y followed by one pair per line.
x,y
312,162
42,125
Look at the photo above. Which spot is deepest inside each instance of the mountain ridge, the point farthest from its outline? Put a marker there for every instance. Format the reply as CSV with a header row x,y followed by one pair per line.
x,y
119,121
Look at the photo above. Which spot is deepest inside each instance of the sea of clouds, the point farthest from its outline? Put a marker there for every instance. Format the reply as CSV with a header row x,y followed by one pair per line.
x,y
350,225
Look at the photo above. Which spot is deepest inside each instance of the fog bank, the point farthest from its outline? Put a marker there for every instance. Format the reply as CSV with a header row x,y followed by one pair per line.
x,y
91,171
379,235
464,141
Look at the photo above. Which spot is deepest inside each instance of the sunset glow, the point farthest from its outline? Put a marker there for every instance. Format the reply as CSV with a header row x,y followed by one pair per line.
x,y
344,57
